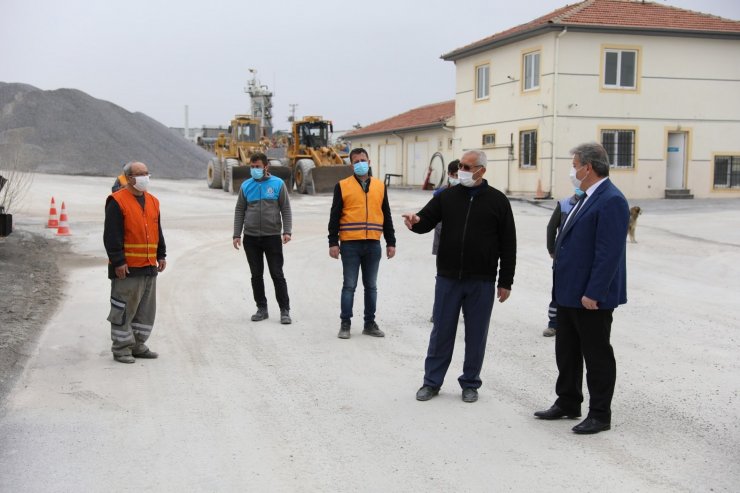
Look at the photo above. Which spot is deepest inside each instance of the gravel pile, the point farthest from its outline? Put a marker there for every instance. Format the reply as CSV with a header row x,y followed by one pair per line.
x,y
69,132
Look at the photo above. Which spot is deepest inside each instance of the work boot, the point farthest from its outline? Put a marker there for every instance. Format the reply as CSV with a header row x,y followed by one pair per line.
x,y
344,329
285,317
371,329
124,358
260,315
148,354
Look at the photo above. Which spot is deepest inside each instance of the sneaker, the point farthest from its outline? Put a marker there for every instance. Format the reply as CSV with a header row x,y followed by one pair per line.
x,y
124,358
260,315
470,395
344,330
371,329
548,332
426,392
285,317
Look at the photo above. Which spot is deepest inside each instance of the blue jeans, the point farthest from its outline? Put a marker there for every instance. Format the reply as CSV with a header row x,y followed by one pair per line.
x,y
356,255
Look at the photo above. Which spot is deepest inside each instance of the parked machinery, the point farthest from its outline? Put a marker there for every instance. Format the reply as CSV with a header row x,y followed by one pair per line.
x,y
315,165
230,166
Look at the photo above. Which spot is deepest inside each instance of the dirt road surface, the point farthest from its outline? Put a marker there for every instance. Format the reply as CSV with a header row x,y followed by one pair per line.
x,y
233,405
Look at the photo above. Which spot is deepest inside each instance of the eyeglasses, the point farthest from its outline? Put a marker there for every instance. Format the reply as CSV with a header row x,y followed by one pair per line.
x,y
468,167
142,174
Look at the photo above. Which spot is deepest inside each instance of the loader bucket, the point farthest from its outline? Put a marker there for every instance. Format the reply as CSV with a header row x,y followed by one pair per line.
x,y
285,174
239,174
325,177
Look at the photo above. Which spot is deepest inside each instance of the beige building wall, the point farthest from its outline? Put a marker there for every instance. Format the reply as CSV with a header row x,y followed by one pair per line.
x,y
689,86
408,154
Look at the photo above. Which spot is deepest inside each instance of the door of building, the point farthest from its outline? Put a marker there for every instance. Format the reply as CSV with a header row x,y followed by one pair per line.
x,y
387,160
418,162
676,161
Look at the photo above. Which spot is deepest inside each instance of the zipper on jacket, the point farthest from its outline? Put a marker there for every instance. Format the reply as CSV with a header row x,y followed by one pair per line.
x,y
367,214
465,230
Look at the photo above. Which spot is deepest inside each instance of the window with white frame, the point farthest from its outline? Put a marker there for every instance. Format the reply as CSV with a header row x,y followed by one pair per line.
x,y
726,171
489,140
482,73
528,149
620,69
532,71
620,146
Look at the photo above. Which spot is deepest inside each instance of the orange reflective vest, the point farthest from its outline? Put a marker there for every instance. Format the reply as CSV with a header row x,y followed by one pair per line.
x,y
362,213
140,228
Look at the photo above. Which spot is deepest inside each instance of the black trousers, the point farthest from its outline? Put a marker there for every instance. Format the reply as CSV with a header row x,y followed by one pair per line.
x,y
584,335
259,248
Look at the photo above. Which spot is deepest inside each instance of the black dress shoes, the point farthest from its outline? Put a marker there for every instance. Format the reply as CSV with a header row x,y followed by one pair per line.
x,y
426,392
556,413
589,426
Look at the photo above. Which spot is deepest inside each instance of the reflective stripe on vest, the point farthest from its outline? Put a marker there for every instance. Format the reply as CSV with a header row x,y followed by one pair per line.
x,y
362,213
140,228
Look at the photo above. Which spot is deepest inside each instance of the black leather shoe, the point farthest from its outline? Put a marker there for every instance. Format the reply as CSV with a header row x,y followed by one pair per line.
x,y
469,395
589,426
260,315
556,413
344,330
425,393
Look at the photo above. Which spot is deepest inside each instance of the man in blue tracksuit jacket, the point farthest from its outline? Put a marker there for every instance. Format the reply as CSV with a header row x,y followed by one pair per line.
x,y
478,239
263,215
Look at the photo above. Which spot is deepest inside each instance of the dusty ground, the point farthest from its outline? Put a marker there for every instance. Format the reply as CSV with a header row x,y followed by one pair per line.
x,y
233,405
30,289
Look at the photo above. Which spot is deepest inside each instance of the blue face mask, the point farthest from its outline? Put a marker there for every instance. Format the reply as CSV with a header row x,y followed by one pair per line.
x,y
257,173
361,168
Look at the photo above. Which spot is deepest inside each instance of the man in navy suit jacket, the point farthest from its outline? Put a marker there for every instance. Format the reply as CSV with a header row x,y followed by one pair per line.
x,y
590,279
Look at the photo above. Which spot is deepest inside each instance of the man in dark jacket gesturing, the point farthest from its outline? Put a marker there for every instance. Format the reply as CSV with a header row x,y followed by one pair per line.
x,y
478,239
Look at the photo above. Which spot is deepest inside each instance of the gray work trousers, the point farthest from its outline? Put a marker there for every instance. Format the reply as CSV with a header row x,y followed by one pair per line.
x,y
133,305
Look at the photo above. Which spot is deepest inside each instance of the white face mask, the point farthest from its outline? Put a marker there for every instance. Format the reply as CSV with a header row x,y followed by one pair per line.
x,y
466,178
453,181
142,183
573,179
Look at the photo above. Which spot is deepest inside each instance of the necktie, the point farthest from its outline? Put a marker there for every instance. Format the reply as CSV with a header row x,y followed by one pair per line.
x,y
575,210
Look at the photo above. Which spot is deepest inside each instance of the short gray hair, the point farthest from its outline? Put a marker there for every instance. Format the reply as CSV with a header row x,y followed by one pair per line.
x,y
480,157
127,168
594,154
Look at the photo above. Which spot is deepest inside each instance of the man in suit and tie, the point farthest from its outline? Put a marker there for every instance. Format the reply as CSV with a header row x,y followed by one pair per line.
x,y
589,279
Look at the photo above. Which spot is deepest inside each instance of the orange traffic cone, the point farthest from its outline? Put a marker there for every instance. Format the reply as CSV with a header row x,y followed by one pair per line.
x,y
52,223
539,194
63,226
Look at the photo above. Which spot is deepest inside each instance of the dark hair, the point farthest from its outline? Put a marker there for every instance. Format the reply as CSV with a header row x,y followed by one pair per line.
x,y
357,150
258,156
594,154
454,166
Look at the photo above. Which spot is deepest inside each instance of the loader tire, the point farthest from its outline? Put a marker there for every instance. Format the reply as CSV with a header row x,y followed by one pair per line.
x,y
302,175
228,174
213,173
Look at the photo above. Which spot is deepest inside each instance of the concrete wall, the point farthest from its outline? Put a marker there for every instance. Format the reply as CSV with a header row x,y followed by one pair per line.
x,y
687,85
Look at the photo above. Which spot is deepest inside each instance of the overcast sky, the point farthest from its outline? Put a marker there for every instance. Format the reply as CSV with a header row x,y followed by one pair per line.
x,y
349,61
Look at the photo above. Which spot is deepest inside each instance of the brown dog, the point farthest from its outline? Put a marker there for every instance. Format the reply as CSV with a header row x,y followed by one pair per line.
x,y
634,212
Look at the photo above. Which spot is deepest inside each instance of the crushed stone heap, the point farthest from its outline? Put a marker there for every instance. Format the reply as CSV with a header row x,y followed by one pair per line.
x,y
68,132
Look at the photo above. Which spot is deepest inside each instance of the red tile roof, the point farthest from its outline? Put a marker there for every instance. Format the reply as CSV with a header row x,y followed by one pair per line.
x,y
430,115
610,14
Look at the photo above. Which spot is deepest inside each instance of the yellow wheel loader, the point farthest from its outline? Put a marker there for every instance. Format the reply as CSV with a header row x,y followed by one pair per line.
x,y
230,167
315,165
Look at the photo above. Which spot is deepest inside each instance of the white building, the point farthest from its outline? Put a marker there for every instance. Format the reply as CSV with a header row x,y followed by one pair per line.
x,y
658,86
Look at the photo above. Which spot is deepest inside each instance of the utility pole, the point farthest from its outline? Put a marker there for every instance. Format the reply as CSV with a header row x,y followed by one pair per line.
x,y
291,118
